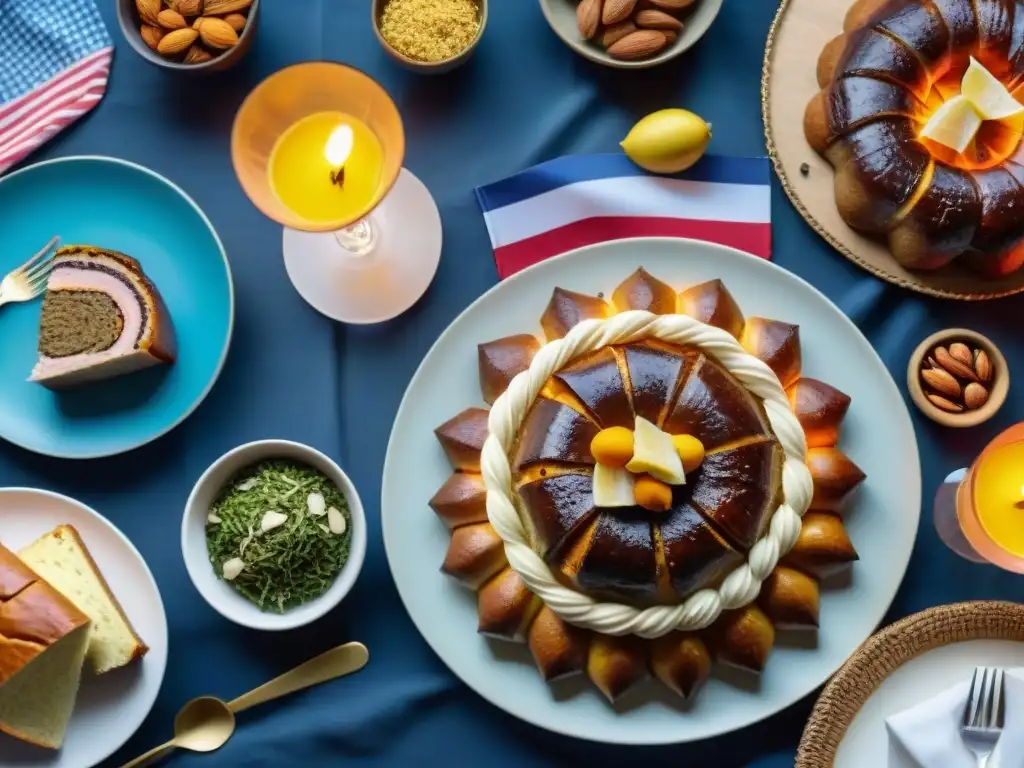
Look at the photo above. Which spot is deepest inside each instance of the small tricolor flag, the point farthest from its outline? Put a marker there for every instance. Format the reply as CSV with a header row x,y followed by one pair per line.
x,y
54,64
581,200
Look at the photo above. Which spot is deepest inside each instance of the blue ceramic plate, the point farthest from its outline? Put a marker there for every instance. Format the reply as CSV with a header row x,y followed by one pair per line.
x,y
112,204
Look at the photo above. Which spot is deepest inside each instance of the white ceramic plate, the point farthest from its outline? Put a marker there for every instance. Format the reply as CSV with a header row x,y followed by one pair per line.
x,y
882,523
866,741
110,708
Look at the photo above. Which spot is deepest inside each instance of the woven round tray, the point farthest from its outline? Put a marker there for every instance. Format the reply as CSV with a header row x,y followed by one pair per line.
x,y
788,81
884,653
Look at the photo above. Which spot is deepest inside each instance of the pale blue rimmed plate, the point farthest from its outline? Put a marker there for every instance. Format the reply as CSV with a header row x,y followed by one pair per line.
x,y
112,204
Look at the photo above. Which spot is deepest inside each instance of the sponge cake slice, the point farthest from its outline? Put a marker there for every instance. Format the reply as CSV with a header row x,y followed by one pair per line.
x,y
62,559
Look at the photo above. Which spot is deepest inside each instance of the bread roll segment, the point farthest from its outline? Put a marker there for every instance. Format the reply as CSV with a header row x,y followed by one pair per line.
x,y
475,553
462,438
823,546
775,343
616,664
642,290
566,309
43,641
461,500
820,409
681,661
835,478
559,649
791,599
502,360
506,607
744,638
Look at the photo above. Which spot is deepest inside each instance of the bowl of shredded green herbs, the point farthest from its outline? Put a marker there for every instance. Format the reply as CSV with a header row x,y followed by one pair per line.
x,y
274,535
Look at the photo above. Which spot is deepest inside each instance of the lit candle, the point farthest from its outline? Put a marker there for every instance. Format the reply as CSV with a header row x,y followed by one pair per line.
x,y
999,496
327,168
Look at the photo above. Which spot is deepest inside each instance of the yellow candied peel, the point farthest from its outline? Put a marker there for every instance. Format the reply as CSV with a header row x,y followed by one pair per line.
x,y
430,30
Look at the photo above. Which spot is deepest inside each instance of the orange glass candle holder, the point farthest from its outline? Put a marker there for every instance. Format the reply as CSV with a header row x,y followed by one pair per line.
x,y
318,147
981,515
288,97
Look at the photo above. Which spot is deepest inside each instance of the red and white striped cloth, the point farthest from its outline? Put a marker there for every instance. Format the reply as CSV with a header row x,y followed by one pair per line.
x,y
581,200
55,61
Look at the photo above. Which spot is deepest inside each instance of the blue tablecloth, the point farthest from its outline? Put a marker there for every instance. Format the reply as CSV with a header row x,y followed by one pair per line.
x,y
524,98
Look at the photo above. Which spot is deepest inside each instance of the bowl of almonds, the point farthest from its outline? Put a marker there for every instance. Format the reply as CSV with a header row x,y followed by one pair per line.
x,y
958,378
630,34
194,35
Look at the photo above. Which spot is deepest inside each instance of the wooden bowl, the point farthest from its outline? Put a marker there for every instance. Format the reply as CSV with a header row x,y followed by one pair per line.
x,y
428,67
697,19
998,388
128,17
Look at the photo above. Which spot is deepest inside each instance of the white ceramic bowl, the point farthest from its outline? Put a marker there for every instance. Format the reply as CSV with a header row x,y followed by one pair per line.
x,y
220,595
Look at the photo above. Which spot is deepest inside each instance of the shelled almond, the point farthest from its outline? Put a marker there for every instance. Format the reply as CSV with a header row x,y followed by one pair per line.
x,y
631,30
195,31
957,377
170,19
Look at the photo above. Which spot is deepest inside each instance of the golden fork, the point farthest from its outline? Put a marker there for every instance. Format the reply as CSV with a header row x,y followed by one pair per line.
x,y
29,280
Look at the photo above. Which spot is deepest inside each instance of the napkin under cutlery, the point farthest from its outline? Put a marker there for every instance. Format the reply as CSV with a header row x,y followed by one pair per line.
x,y
929,732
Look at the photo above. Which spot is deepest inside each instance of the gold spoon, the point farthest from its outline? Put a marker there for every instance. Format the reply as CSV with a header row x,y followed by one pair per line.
x,y
206,723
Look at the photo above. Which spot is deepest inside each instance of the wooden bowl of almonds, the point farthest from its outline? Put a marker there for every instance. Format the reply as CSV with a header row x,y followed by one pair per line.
x,y
958,378
630,34
190,35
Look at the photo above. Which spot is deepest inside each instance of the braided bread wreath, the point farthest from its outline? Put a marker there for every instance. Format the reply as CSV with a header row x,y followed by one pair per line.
x,y
894,65
622,592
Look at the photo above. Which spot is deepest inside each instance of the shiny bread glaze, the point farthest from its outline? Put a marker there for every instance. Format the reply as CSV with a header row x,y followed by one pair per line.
x,y
899,58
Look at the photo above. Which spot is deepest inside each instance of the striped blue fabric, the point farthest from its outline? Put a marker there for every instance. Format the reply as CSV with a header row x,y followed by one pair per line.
x,y
39,39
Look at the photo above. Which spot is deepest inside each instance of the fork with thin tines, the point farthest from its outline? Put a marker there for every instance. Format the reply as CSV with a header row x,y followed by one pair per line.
x,y
984,713
29,280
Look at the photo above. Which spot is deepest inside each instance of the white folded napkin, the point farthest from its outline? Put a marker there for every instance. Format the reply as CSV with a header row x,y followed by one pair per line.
x,y
929,732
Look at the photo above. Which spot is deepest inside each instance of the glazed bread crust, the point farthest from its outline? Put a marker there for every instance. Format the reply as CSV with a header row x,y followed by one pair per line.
x,y
931,205
33,615
43,638
626,553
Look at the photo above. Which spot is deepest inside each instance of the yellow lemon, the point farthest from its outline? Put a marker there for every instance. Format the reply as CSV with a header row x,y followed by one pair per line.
x,y
667,141
953,124
987,94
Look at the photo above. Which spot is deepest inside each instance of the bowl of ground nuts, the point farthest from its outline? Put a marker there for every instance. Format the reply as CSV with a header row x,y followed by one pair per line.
x,y
958,378
630,34
429,36
189,35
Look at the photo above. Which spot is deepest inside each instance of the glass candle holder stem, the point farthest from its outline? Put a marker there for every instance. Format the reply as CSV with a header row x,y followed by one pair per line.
x,y
947,523
359,239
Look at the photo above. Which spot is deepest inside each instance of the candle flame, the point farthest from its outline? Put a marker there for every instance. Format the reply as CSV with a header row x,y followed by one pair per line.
x,y
339,146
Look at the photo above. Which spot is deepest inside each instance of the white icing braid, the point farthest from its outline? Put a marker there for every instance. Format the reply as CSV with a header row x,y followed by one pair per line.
x,y
702,608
